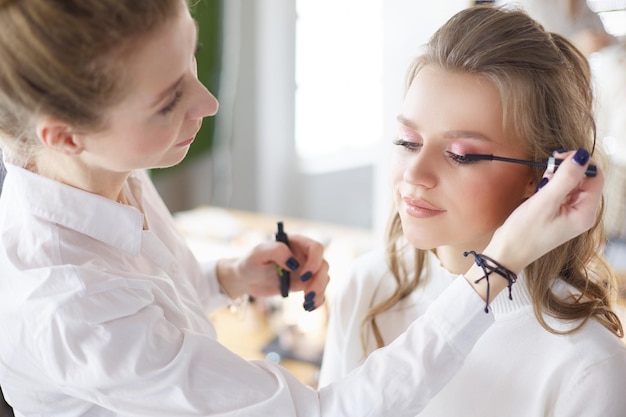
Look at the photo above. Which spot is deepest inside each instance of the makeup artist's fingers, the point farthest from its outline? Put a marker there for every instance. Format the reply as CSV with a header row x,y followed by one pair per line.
x,y
579,206
256,273
552,167
312,276
315,288
565,207
570,201
553,163
310,254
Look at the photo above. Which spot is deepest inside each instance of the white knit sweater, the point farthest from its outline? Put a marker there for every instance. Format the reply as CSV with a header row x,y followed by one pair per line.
x,y
517,368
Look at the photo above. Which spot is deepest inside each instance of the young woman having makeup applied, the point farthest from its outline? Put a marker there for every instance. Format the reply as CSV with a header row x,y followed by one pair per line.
x,y
487,106
103,308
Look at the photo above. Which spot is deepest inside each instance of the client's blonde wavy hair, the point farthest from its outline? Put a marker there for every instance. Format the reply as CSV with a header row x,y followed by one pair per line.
x,y
545,87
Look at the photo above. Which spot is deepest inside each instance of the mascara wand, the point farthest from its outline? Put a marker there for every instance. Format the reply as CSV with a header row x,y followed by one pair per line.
x,y
552,164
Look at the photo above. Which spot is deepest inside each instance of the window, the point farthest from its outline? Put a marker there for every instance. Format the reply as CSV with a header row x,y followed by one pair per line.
x,y
339,63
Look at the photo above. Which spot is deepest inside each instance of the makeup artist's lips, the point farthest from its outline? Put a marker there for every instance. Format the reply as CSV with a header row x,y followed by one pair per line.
x,y
192,138
419,208
185,143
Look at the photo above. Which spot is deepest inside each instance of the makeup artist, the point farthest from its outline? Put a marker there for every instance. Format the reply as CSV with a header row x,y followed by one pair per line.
x,y
492,93
103,308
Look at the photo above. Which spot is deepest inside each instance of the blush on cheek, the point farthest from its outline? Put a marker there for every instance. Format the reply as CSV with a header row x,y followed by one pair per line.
x,y
500,197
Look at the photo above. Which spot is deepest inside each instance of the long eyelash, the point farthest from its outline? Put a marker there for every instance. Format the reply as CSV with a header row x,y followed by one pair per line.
x,y
198,48
414,146
172,103
460,159
410,146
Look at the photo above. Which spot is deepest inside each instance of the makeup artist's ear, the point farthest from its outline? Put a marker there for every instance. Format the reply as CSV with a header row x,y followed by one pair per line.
x,y
58,136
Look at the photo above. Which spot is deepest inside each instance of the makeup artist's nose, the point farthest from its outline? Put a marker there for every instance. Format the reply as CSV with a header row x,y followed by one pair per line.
x,y
205,103
421,169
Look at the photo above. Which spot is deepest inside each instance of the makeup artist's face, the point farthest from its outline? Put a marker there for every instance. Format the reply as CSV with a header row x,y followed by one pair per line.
x,y
443,202
156,123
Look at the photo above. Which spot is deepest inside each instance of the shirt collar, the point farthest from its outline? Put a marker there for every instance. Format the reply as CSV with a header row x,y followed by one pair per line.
x,y
115,224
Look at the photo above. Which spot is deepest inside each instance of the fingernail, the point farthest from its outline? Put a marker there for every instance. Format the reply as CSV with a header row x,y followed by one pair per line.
x,y
560,151
306,276
310,296
309,306
292,263
581,157
542,183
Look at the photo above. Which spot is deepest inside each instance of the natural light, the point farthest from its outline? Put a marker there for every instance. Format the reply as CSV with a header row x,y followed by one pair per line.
x,y
338,77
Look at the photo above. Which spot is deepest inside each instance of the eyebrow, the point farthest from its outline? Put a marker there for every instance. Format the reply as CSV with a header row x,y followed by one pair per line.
x,y
452,134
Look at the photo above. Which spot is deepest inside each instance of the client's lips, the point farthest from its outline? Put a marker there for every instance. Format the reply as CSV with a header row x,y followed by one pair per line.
x,y
416,207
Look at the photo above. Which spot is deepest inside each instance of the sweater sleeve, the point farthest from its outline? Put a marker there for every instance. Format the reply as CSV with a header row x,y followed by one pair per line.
x,y
400,379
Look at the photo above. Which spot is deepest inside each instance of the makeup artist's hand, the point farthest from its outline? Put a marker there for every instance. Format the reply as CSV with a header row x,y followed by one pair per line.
x,y
255,273
562,209
565,207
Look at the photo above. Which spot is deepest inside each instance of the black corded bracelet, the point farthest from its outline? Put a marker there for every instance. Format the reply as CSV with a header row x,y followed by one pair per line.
x,y
488,266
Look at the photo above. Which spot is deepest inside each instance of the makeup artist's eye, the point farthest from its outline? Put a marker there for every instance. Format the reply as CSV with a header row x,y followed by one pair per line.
x,y
198,48
409,146
170,106
459,159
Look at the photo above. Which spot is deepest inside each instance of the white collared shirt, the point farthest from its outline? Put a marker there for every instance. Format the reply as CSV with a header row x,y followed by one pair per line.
x,y
100,316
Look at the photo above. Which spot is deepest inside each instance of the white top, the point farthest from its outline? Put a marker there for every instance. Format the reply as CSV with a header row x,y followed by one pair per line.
x,y
517,368
100,317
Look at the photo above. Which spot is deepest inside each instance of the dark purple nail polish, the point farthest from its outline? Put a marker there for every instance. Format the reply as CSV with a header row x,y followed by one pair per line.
x,y
292,263
306,276
560,150
542,183
309,306
310,296
581,157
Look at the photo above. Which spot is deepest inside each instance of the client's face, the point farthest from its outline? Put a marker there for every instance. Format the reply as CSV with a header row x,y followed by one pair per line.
x,y
442,200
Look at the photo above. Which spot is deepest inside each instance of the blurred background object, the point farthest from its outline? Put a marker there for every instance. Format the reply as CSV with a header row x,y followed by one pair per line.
x,y
573,19
3,171
609,69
